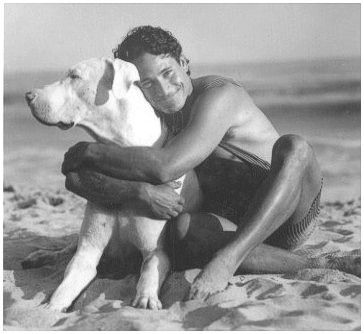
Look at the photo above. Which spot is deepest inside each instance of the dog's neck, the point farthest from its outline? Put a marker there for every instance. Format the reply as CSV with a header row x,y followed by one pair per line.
x,y
130,121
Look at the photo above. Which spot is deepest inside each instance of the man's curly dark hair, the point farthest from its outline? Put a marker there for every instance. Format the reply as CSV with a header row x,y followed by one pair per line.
x,y
153,40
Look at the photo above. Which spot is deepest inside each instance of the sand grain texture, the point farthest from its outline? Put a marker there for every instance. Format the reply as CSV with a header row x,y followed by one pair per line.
x,y
310,299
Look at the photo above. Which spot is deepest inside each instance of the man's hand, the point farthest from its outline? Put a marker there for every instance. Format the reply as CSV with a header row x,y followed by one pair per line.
x,y
162,201
80,154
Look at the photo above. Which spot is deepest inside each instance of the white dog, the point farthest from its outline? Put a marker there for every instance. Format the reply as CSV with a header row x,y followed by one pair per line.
x,y
99,95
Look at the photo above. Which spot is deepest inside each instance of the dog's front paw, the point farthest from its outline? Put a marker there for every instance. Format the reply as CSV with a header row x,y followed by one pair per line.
x,y
147,302
53,307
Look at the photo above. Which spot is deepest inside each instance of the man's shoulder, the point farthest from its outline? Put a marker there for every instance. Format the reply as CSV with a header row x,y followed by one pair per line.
x,y
216,86
212,81
216,90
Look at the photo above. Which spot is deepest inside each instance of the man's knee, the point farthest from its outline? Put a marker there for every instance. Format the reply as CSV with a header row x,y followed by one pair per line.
x,y
180,226
293,148
195,225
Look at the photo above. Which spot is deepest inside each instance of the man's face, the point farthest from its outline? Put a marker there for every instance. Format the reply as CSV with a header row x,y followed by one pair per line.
x,y
164,82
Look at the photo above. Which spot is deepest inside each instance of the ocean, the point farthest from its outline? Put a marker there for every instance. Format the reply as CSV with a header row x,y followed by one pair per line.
x,y
318,99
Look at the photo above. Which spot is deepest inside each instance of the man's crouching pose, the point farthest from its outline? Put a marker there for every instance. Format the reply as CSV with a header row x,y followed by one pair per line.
x,y
214,127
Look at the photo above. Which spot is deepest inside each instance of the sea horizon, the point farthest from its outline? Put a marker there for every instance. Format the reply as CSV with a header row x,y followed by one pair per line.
x,y
319,100
324,83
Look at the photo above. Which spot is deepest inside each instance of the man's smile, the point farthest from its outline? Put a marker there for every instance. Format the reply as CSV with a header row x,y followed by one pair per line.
x,y
169,98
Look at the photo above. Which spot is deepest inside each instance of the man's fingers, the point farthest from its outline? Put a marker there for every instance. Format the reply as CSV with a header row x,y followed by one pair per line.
x,y
65,168
181,200
162,215
175,184
174,213
179,208
68,163
73,157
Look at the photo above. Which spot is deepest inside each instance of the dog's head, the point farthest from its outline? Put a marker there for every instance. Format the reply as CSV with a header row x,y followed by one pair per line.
x,y
90,87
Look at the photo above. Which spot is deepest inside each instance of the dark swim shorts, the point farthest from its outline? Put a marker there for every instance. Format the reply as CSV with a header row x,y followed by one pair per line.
x,y
219,179
292,235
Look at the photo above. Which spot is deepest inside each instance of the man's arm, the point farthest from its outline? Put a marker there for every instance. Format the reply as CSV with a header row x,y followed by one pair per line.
x,y
213,114
102,189
159,202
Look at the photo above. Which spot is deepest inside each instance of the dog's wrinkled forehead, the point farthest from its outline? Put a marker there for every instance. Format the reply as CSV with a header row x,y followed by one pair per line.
x,y
89,69
97,77
90,80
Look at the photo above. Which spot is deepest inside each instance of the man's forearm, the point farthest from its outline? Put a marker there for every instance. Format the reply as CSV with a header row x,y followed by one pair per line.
x,y
128,163
103,189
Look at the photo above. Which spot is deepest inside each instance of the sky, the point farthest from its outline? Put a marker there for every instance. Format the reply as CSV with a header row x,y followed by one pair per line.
x,y
55,36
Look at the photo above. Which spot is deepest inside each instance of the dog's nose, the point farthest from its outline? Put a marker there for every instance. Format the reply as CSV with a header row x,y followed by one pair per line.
x,y
30,96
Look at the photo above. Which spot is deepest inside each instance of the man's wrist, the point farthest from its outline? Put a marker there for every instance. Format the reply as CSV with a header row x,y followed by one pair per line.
x,y
142,192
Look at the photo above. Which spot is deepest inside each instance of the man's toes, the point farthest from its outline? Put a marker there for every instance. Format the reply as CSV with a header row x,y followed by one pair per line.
x,y
192,294
197,294
203,295
53,307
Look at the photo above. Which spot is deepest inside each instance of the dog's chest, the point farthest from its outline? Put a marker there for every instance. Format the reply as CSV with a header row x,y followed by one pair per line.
x,y
145,233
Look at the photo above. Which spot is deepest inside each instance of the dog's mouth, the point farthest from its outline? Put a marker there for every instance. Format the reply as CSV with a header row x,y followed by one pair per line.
x,y
65,126
61,125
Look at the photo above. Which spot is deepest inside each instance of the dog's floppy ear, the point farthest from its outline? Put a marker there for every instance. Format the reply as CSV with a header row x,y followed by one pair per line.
x,y
124,75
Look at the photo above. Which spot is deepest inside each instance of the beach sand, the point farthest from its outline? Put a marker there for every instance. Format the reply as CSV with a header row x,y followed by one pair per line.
x,y
310,299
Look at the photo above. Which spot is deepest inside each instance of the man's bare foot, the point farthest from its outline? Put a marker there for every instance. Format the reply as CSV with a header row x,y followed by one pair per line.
x,y
349,262
213,278
53,307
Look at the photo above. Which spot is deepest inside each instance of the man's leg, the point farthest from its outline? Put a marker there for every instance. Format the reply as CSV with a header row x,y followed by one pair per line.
x,y
288,192
195,238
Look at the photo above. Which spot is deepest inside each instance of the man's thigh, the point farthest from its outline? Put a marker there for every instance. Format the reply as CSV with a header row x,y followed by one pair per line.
x,y
227,186
191,192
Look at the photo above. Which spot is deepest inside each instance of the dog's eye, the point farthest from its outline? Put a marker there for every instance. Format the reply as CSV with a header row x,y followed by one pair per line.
x,y
145,84
74,76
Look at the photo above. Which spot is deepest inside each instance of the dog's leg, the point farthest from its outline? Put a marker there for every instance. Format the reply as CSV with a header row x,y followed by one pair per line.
x,y
96,231
154,270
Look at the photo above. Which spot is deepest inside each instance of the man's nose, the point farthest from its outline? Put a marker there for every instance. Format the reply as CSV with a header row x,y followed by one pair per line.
x,y
30,96
164,89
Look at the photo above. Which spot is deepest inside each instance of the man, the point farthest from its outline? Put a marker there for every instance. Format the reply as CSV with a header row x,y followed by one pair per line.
x,y
215,127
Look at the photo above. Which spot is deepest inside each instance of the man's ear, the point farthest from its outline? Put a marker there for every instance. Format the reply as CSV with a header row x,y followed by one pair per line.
x,y
125,74
184,63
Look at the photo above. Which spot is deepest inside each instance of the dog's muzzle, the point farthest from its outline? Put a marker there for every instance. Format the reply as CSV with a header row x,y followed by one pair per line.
x,y
30,97
65,126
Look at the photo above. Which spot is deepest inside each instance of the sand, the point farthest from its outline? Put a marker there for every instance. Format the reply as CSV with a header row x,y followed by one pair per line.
x,y
310,299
